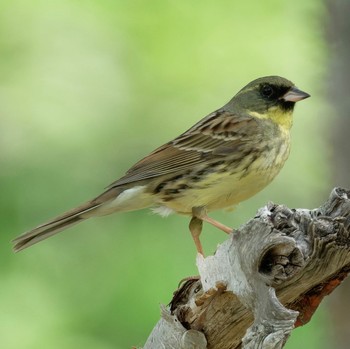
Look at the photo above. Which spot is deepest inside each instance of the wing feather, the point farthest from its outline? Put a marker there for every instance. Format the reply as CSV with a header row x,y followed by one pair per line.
x,y
219,134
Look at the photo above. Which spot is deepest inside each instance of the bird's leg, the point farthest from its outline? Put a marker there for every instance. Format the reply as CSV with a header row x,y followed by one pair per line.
x,y
217,224
198,216
201,214
196,229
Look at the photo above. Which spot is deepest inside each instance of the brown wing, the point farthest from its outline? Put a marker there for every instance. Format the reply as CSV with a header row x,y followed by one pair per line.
x,y
219,134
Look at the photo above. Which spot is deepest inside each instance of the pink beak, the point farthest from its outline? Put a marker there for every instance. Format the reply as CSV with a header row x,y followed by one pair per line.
x,y
294,95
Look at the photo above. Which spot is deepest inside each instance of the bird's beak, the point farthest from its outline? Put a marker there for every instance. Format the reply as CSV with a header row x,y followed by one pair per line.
x,y
294,95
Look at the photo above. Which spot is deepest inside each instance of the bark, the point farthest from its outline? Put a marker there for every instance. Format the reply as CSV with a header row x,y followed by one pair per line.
x,y
299,255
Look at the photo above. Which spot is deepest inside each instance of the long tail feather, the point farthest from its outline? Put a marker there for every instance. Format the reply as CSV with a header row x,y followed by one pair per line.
x,y
55,226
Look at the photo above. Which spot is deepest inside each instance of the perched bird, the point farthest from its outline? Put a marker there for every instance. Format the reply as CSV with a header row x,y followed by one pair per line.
x,y
222,160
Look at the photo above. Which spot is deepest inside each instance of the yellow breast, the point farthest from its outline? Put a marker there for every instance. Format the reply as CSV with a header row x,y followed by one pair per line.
x,y
228,186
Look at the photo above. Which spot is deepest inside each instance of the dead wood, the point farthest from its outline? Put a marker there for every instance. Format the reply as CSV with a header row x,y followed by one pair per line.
x,y
300,255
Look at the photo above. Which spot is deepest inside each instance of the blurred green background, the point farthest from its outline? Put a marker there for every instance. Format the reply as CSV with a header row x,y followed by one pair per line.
x,y
89,87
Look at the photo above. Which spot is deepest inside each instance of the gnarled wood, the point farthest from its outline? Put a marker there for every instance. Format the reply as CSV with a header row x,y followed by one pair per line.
x,y
300,255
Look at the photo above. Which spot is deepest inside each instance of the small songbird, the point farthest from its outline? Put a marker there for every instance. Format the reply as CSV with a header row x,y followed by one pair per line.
x,y
225,158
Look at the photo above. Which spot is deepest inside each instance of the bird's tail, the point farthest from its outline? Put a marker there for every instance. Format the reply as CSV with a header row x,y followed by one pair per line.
x,y
56,225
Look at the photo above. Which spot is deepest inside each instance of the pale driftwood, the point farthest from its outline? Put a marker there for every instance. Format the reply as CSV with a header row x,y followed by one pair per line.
x,y
301,255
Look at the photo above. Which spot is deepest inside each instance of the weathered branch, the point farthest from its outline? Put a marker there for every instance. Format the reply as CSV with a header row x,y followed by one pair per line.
x,y
300,255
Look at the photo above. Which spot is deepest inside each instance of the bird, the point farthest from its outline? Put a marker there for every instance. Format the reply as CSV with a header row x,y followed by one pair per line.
x,y
225,158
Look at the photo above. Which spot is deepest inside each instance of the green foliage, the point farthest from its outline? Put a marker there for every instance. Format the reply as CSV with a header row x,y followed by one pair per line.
x,y
87,88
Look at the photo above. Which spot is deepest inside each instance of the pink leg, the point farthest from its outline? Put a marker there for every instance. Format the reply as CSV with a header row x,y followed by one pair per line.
x,y
196,229
201,214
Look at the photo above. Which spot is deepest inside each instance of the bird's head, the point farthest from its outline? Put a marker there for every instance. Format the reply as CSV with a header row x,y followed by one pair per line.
x,y
270,97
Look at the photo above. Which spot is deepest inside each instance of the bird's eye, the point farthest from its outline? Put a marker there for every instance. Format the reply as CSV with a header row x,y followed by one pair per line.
x,y
267,91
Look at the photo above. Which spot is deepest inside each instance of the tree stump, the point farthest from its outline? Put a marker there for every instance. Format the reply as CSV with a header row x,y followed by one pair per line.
x,y
268,277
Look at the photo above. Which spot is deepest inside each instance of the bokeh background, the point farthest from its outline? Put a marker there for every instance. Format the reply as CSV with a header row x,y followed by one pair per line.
x,y
89,87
